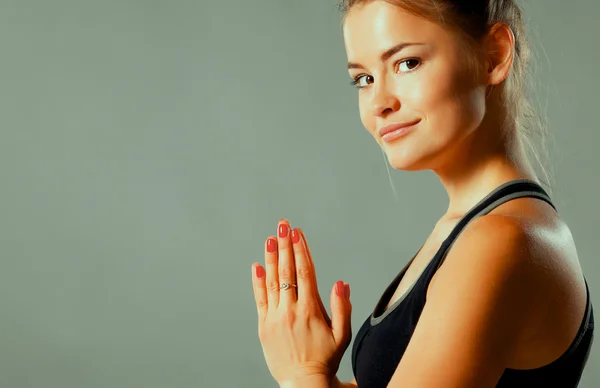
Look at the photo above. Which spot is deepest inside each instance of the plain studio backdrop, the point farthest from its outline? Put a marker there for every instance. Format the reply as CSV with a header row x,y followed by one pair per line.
x,y
148,148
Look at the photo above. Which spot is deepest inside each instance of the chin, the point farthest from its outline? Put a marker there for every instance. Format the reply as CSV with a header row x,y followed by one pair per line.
x,y
406,161
406,158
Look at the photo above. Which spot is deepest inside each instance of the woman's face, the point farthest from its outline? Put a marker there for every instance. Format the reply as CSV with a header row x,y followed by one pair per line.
x,y
426,82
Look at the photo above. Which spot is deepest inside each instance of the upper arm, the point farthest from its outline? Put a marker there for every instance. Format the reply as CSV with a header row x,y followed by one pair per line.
x,y
475,310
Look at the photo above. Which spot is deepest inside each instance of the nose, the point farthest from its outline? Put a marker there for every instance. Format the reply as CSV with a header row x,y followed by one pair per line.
x,y
383,102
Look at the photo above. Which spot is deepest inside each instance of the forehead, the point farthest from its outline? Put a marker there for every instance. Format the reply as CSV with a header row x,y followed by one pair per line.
x,y
375,26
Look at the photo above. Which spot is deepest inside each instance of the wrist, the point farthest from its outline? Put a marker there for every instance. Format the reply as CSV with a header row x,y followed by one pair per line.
x,y
312,381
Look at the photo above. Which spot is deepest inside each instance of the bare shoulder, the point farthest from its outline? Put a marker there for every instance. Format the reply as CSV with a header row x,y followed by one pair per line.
x,y
537,249
493,254
532,263
498,283
491,246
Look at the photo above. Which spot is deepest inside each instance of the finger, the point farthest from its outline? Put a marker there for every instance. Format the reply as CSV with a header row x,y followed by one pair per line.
x,y
286,266
272,276
260,290
341,311
306,286
314,278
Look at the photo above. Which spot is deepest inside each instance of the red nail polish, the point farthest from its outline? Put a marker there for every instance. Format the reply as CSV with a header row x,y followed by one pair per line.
x,y
271,245
295,236
283,230
339,288
260,272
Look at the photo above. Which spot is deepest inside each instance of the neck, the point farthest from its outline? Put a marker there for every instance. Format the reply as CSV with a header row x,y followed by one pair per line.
x,y
476,170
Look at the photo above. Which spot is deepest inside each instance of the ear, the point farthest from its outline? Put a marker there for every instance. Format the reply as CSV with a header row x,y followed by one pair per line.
x,y
500,49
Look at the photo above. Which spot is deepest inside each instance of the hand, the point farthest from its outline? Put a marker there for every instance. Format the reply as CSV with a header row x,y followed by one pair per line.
x,y
297,337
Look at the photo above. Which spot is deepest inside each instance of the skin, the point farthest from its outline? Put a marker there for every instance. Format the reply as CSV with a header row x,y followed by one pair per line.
x,y
460,135
468,139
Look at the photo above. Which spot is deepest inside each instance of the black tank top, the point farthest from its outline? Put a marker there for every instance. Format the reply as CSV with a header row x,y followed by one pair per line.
x,y
383,337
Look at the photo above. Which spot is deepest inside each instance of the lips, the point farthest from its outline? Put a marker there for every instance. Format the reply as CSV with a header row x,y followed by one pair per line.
x,y
393,127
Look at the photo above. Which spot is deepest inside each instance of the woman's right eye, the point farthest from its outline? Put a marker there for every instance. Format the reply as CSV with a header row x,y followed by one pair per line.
x,y
357,81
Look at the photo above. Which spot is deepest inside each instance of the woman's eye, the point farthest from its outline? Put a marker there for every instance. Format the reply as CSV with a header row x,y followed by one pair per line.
x,y
357,81
404,66
408,65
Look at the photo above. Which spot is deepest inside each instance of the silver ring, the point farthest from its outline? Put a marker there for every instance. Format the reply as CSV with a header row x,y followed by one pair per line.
x,y
285,286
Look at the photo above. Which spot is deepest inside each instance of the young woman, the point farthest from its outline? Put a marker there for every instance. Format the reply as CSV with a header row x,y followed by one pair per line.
x,y
496,296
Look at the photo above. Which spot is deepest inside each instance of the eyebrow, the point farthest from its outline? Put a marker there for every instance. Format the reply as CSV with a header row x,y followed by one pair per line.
x,y
386,54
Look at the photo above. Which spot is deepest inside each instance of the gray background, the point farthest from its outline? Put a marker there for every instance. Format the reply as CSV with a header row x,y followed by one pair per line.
x,y
149,147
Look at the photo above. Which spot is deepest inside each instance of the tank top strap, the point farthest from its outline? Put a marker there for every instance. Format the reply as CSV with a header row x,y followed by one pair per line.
x,y
519,188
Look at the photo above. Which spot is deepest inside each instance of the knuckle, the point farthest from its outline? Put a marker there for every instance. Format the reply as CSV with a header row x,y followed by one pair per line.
x,y
262,302
272,286
303,272
288,316
285,273
271,259
306,307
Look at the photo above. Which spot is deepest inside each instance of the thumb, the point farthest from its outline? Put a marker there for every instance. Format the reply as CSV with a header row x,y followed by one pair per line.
x,y
341,313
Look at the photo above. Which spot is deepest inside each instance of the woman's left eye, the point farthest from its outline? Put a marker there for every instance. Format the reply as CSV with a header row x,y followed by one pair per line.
x,y
408,64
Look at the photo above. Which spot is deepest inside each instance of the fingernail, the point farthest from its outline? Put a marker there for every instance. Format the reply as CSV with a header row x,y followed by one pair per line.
x,y
339,288
348,291
295,236
283,230
260,272
271,245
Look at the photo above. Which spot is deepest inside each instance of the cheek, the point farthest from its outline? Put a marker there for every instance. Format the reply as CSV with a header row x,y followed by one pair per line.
x,y
451,103
366,116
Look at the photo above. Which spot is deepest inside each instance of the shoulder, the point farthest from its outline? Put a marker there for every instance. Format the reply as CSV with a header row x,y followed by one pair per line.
x,y
497,243
494,253
483,303
495,263
493,229
478,305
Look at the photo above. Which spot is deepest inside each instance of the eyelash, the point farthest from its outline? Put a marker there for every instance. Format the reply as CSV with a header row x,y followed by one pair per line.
x,y
356,79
